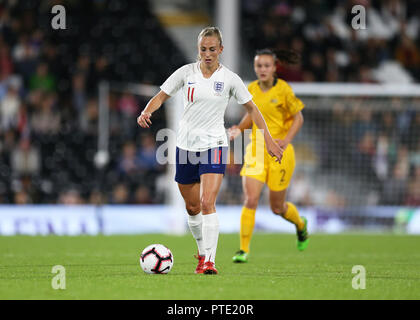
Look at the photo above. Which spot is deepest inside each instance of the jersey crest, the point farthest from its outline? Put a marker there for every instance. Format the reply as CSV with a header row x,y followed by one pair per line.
x,y
218,86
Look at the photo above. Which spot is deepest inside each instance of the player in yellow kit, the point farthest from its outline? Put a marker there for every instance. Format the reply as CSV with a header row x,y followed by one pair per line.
x,y
281,110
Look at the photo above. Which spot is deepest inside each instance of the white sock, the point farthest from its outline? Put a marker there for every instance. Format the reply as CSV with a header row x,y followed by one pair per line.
x,y
195,223
210,235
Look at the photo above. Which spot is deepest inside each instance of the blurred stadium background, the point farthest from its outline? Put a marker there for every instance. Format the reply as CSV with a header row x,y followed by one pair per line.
x,y
69,101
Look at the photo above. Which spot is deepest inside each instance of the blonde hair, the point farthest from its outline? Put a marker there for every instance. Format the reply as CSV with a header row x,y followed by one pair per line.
x,y
211,32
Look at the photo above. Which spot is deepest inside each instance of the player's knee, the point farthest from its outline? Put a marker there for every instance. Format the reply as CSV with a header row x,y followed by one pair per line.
x,y
251,202
207,204
193,208
278,208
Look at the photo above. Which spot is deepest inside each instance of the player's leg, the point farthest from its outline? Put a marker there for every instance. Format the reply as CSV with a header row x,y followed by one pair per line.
x,y
210,186
191,195
254,175
279,177
252,190
289,212
189,185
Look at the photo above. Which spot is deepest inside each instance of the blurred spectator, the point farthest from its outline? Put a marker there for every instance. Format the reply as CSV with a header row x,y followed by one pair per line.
x,y
317,66
51,57
120,194
6,64
381,157
142,196
26,184
300,190
79,93
46,119
394,188
334,199
21,197
415,156
147,154
24,56
70,197
8,142
9,108
413,193
414,130
100,72
97,198
42,79
364,130
25,159
403,119
408,55
89,118
128,163
366,149
362,123
338,131
129,110
365,75
128,105
83,65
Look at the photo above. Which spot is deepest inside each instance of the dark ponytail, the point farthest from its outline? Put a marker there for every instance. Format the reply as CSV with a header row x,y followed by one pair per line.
x,y
282,55
288,56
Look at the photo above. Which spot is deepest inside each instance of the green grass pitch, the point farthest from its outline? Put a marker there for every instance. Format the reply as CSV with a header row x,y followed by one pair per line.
x,y
107,267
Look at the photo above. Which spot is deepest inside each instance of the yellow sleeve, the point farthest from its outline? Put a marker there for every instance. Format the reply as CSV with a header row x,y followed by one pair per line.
x,y
294,104
251,87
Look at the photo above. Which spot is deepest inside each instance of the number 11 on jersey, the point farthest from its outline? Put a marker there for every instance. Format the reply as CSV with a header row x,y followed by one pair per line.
x,y
192,94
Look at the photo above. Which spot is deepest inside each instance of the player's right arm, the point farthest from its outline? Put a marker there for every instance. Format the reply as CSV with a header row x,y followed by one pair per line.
x,y
155,103
168,89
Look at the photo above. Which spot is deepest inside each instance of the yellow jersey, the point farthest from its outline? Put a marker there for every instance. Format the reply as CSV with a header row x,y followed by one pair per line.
x,y
277,105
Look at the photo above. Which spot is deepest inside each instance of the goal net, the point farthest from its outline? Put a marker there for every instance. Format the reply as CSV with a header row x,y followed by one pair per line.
x,y
357,154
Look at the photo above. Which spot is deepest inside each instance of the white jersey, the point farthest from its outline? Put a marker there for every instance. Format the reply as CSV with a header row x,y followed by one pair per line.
x,y
205,101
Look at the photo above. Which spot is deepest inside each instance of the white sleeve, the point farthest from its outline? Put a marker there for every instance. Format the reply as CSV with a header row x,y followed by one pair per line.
x,y
239,90
174,82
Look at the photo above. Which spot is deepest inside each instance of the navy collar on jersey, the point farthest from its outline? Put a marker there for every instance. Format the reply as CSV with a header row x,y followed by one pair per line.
x,y
274,82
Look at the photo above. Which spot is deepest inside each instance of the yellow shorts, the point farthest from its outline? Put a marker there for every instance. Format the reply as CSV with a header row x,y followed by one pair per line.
x,y
264,168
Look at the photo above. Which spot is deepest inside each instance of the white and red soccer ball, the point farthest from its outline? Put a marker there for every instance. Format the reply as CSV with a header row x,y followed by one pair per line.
x,y
156,258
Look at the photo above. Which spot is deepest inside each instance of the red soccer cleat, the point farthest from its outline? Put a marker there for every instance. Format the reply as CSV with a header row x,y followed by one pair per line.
x,y
200,265
209,268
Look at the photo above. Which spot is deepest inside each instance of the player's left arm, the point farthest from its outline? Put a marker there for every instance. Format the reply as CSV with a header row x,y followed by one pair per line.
x,y
295,106
294,129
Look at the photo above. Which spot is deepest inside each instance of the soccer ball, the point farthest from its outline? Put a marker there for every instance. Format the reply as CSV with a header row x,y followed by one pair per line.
x,y
156,258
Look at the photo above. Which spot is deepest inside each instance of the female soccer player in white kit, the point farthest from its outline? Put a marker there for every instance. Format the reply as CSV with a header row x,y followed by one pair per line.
x,y
207,87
